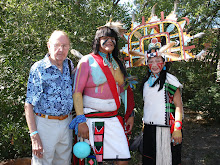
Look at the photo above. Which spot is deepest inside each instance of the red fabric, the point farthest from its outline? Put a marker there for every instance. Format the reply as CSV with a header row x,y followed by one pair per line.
x,y
99,132
109,76
172,120
130,103
112,85
178,128
173,126
102,114
122,123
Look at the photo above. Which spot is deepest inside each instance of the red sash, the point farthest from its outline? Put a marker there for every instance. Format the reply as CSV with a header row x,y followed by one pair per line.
x,y
109,77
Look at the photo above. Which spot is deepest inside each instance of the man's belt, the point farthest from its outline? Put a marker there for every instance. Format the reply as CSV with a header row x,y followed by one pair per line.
x,y
102,114
62,117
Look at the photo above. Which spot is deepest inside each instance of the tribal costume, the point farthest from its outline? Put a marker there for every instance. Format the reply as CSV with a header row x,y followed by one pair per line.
x,y
99,81
159,112
97,97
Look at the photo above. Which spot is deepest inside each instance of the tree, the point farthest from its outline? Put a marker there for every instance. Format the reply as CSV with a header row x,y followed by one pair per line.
x,y
26,25
201,91
24,30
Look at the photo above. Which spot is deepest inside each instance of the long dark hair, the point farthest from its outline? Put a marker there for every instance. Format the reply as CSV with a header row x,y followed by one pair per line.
x,y
106,31
161,80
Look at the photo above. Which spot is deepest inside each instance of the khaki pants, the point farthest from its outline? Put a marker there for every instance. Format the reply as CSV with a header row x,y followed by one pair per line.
x,y
56,138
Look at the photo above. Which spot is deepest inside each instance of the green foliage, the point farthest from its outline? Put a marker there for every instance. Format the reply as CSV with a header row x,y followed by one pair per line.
x,y
25,27
200,90
207,101
24,30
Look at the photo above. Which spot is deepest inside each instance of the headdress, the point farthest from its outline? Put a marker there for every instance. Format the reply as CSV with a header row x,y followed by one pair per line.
x,y
165,35
116,26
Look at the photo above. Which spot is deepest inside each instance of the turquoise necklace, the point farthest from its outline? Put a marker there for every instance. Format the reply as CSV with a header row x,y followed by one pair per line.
x,y
106,61
152,79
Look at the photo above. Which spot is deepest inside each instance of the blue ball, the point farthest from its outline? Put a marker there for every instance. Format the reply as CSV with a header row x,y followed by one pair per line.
x,y
81,150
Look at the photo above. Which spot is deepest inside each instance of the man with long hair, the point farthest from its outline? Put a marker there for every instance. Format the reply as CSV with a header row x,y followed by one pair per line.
x,y
99,81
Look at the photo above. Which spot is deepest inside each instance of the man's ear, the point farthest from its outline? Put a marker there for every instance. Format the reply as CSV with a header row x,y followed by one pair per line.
x,y
48,46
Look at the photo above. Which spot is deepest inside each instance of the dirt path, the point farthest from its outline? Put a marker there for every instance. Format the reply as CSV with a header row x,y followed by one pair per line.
x,y
201,143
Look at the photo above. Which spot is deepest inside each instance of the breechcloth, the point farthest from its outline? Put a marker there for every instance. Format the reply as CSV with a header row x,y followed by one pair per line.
x,y
149,143
107,137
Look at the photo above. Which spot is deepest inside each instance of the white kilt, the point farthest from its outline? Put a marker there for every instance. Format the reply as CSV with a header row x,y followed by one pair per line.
x,y
115,145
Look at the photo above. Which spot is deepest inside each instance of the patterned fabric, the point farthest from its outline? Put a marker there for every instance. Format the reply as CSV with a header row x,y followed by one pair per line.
x,y
98,140
102,114
154,54
170,107
75,122
49,90
91,160
158,105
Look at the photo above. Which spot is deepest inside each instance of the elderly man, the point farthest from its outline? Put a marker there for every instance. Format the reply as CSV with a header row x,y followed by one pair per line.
x,y
49,103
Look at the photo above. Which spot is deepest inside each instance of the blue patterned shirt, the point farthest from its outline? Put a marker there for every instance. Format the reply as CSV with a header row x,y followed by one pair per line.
x,y
49,90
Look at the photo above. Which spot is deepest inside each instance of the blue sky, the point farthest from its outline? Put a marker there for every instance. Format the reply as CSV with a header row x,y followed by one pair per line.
x,y
125,1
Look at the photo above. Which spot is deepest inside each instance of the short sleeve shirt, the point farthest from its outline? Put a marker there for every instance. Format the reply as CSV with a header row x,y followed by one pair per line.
x,y
49,90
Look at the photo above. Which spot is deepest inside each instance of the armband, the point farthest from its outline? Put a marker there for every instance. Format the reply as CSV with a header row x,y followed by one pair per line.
x,y
178,125
75,122
132,114
33,133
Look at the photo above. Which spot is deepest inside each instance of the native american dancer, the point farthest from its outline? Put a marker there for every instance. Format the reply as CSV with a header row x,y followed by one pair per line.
x,y
99,81
162,109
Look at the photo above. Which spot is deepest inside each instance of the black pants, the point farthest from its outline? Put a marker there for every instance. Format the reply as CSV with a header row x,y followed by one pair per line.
x,y
149,143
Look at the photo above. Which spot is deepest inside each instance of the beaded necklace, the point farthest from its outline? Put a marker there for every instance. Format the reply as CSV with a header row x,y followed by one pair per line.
x,y
111,59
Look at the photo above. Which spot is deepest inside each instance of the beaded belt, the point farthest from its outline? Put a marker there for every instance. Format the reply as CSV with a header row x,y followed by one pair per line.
x,y
62,117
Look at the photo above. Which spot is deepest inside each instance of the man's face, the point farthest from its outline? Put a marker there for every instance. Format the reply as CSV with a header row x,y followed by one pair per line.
x,y
107,44
58,47
156,64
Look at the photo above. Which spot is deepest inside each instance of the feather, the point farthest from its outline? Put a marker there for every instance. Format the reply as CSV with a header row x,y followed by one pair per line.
x,y
175,6
153,10
167,46
76,53
135,53
201,53
199,35
116,26
133,17
172,55
139,62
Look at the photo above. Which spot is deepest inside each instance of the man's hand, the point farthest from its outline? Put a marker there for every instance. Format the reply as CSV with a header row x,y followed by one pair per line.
x,y
83,130
129,124
37,147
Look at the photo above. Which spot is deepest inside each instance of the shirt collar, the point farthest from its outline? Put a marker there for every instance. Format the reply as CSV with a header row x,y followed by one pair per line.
x,y
47,61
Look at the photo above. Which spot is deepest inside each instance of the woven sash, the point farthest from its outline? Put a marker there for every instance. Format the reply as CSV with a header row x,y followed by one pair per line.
x,y
102,114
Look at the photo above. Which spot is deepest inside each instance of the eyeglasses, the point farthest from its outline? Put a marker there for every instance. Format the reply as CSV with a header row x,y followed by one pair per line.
x,y
65,47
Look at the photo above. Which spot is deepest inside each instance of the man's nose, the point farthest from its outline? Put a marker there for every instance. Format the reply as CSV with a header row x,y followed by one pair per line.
x,y
61,48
